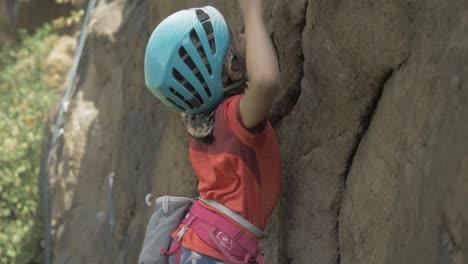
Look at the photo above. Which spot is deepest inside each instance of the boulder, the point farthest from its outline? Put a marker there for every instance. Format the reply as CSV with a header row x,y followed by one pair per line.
x,y
371,122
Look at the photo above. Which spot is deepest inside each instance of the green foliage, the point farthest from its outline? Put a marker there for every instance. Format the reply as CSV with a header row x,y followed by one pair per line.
x,y
25,98
73,2
74,17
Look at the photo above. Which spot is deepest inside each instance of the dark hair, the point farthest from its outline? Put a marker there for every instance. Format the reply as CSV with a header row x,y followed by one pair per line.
x,y
207,140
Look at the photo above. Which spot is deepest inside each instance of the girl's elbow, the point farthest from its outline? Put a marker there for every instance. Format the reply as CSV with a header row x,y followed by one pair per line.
x,y
270,85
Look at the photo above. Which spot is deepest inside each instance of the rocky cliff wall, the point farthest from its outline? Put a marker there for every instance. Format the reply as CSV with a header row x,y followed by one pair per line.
x,y
29,14
6,34
372,122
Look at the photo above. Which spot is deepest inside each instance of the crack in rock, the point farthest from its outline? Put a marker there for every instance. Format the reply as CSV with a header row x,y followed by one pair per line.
x,y
283,109
450,238
287,103
365,122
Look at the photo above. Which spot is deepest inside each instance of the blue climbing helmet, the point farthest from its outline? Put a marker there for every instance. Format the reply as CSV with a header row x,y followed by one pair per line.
x,y
185,57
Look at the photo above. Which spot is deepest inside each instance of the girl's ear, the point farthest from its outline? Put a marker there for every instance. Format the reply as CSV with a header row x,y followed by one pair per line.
x,y
235,71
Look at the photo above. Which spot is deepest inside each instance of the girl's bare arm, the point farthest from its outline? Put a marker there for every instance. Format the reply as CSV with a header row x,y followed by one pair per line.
x,y
262,66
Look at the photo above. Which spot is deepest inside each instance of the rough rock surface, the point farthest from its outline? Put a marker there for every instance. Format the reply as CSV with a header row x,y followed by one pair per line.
x,y
405,200
371,120
31,14
6,34
28,14
60,60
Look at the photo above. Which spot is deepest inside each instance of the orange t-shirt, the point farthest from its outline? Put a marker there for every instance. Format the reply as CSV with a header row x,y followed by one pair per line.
x,y
239,169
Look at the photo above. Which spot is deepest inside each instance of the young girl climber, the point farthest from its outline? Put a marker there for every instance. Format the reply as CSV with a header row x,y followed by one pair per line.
x,y
197,65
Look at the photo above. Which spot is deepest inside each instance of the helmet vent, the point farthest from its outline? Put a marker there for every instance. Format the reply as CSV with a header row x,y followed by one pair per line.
x,y
208,27
203,83
202,16
191,65
176,105
181,97
204,19
178,76
187,59
183,53
201,51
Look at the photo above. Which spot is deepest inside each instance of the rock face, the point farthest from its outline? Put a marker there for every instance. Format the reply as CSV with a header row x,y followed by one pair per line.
x,y
371,120
28,14
60,60
6,34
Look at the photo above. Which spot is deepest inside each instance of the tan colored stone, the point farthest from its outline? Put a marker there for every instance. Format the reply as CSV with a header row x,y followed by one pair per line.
x,y
371,121
60,60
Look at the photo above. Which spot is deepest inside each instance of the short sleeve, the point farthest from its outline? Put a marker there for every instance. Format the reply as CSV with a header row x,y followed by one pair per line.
x,y
234,122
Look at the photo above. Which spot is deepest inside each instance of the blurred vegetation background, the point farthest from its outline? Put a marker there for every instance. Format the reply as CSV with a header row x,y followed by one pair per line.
x,y
29,87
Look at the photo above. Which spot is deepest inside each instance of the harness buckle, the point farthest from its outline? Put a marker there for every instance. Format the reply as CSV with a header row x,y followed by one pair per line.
x,y
181,233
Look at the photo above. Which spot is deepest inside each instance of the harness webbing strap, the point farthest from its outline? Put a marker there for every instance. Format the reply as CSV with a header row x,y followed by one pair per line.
x,y
234,216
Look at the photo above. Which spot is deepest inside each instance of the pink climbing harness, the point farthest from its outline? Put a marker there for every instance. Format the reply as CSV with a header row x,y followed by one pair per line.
x,y
219,233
